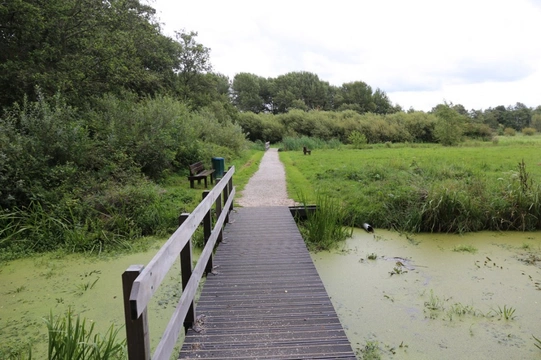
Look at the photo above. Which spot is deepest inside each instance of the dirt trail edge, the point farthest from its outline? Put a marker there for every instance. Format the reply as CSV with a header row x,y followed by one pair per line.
x,y
268,185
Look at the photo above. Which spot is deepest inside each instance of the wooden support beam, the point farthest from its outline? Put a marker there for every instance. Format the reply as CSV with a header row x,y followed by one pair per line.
x,y
186,273
137,336
207,229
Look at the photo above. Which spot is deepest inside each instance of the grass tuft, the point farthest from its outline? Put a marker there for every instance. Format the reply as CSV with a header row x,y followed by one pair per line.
x,y
325,227
69,339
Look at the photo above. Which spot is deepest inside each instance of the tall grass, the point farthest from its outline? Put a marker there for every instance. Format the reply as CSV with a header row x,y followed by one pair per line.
x,y
430,189
75,340
326,226
297,143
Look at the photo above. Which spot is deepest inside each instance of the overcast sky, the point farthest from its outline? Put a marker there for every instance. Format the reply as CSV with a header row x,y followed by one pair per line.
x,y
478,53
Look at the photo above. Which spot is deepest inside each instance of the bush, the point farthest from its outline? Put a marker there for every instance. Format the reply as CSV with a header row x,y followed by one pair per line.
x,y
449,126
509,131
357,139
528,131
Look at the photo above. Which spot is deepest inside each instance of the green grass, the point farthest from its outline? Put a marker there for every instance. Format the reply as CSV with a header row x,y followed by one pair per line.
x,y
426,187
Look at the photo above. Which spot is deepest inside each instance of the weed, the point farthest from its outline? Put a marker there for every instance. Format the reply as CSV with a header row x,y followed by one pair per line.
x,y
18,290
75,340
537,342
434,302
371,351
81,288
507,312
372,256
398,270
459,309
324,228
465,248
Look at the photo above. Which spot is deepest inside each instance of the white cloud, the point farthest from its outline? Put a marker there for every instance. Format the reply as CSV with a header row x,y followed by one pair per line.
x,y
478,53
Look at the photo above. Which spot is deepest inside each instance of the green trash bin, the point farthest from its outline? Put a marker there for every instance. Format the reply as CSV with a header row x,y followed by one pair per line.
x,y
218,164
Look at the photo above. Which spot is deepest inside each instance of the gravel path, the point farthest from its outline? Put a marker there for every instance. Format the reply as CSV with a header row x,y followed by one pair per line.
x,y
268,185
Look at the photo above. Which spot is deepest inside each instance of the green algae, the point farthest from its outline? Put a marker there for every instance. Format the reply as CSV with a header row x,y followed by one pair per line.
x,y
392,311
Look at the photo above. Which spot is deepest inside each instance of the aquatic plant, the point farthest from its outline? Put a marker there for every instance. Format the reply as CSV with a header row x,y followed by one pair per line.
x,y
372,256
397,270
537,342
434,302
507,312
81,288
325,227
465,248
371,351
69,340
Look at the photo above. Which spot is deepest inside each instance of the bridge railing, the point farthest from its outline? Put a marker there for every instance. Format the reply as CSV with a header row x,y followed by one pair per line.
x,y
141,282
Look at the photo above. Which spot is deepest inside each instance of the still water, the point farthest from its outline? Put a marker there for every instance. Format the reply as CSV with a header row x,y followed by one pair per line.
x,y
434,296
90,285
427,296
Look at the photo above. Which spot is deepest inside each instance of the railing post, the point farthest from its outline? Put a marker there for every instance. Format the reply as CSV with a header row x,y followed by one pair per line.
x,y
219,206
186,273
137,336
226,196
230,188
207,229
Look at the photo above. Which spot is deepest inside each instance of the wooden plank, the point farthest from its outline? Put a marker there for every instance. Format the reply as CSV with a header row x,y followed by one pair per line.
x,y
266,300
151,277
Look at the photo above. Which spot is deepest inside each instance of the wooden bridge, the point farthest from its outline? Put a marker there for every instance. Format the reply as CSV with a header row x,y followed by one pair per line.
x,y
262,298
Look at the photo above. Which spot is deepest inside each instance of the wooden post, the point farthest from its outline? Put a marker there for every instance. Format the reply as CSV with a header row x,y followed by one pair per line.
x,y
137,336
226,196
230,189
207,229
186,273
219,206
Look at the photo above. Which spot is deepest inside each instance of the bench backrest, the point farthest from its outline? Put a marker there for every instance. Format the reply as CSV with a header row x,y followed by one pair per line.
x,y
196,168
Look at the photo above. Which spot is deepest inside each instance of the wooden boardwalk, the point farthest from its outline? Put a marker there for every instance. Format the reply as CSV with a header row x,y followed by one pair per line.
x,y
265,299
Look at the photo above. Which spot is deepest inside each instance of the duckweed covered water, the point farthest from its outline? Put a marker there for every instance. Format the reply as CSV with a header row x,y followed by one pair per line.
x,y
434,296
90,285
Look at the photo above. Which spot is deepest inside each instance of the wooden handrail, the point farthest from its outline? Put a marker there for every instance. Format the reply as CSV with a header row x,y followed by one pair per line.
x,y
150,277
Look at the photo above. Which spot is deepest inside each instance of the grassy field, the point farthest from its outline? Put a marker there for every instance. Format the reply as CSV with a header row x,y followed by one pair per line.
x,y
425,187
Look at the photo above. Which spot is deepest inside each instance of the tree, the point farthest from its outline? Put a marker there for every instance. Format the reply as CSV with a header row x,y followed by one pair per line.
x,y
355,96
193,61
246,91
81,48
302,86
382,103
449,126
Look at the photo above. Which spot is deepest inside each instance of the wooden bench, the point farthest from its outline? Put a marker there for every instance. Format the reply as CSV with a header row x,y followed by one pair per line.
x,y
305,150
198,172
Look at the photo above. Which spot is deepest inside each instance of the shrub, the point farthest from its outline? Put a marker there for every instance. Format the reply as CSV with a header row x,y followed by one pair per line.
x,y
528,131
449,126
357,139
509,131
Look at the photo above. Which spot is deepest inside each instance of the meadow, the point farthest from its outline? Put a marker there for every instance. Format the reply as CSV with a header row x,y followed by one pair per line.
x,y
426,187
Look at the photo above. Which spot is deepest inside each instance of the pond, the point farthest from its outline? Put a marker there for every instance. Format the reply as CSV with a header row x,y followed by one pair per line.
x,y
90,285
428,296
437,296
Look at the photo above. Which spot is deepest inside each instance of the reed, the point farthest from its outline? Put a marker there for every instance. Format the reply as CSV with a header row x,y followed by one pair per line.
x,y
326,226
71,339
